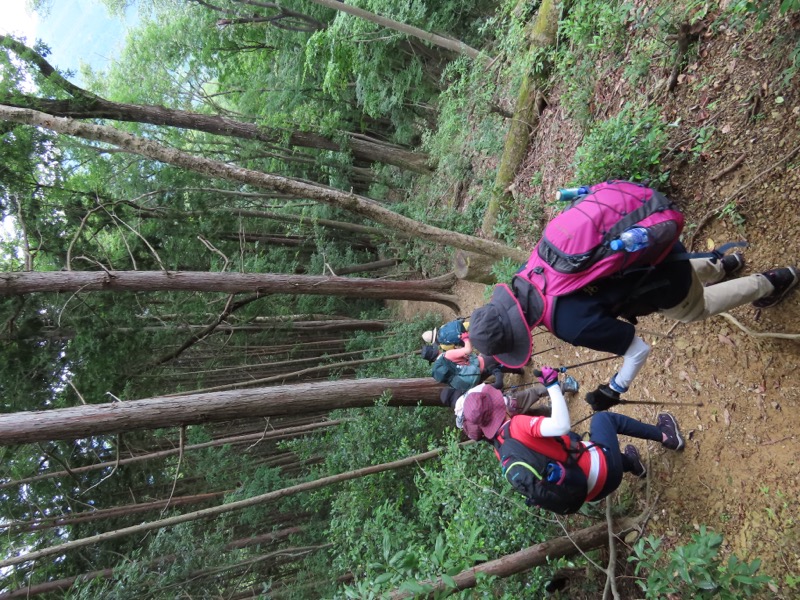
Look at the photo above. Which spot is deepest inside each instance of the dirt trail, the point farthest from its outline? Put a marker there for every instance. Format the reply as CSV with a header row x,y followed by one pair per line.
x,y
738,474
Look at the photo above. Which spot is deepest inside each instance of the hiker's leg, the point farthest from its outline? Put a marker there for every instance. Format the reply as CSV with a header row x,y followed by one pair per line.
x,y
708,271
702,302
526,399
604,429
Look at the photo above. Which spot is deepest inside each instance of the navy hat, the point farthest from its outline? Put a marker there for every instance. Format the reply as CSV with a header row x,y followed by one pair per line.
x,y
500,329
429,353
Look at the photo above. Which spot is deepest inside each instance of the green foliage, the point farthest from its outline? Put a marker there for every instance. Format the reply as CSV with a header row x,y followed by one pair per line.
x,y
629,146
504,269
695,570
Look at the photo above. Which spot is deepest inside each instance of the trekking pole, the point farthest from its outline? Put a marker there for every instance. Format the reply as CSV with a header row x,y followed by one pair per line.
x,y
641,402
583,364
658,402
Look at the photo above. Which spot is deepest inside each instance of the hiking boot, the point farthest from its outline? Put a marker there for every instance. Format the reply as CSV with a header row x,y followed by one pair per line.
x,y
732,263
783,280
638,469
570,385
669,426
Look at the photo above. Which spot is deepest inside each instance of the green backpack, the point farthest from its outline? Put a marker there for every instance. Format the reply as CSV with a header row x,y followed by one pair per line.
x,y
460,377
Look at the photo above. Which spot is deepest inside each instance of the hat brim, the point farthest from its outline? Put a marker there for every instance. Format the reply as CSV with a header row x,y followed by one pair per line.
x,y
494,398
518,330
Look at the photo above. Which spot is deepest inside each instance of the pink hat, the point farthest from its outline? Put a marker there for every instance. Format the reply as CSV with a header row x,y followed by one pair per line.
x,y
484,413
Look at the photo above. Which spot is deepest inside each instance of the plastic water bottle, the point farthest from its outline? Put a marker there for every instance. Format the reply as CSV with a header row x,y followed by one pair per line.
x,y
567,194
554,472
631,240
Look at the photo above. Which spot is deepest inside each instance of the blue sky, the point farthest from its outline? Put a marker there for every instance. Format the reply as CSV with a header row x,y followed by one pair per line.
x,y
75,30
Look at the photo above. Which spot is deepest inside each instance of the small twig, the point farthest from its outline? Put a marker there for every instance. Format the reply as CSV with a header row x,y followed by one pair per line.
x,y
114,470
671,329
757,334
611,580
258,441
72,385
735,165
211,247
783,439
177,470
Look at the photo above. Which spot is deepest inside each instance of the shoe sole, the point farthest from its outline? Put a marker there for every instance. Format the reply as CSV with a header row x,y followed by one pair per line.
x,y
771,301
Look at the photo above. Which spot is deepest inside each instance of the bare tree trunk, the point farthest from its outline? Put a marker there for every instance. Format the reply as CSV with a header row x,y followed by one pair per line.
x,y
218,510
432,38
67,582
152,413
108,513
86,105
359,205
29,282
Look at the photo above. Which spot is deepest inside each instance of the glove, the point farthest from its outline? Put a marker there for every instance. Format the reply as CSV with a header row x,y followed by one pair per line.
x,y
548,376
603,398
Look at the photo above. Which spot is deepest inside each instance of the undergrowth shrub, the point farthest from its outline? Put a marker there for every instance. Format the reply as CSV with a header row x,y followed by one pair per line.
x,y
695,570
629,146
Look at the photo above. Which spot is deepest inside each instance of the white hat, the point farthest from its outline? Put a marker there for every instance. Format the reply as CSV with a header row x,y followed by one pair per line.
x,y
430,336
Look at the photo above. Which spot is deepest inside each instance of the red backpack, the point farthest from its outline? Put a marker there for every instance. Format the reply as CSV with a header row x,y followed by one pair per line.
x,y
574,250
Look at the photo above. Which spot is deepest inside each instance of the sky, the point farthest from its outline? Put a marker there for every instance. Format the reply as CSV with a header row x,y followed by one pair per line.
x,y
75,30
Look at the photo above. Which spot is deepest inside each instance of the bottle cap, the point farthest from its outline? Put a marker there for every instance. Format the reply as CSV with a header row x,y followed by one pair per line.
x,y
617,245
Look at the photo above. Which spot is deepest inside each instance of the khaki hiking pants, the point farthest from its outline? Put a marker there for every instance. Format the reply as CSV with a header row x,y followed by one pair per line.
x,y
707,297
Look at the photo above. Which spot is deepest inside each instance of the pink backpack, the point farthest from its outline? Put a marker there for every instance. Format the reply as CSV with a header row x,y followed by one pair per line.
x,y
574,250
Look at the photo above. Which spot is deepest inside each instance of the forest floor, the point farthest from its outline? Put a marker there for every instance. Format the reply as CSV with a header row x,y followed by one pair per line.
x,y
738,473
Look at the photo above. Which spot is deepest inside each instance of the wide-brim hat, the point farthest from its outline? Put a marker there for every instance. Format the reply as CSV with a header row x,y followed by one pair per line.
x,y
500,329
429,337
484,413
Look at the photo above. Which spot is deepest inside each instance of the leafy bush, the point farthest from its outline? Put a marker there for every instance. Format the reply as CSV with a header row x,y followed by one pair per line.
x,y
695,570
626,146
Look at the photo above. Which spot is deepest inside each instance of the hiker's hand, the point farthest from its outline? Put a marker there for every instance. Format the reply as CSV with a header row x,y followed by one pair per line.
x,y
602,398
548,376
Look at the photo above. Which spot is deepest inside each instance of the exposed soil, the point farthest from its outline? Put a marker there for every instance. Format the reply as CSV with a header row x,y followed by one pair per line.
x,y
738,474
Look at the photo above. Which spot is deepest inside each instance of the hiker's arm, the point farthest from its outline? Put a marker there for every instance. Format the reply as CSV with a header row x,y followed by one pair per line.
x,y
633,361
558,422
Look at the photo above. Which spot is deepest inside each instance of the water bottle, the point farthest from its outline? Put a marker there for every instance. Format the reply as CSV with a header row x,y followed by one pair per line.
x,y
554,472
567,194
630,240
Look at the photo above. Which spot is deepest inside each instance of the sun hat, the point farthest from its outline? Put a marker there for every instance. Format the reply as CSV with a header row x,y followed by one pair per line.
x,y
484,413
500,329
429,337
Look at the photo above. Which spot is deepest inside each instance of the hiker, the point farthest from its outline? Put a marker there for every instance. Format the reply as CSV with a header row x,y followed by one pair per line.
x,y
517,401
449,336
584,302
462,369
551,466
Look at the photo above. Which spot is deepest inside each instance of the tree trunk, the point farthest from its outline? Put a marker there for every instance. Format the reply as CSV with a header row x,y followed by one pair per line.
x,y
67,582
526,116
307,371
86,105
359,205
218,510
437,40
474,267
152,413
15,527
540,554
30,282
368,267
